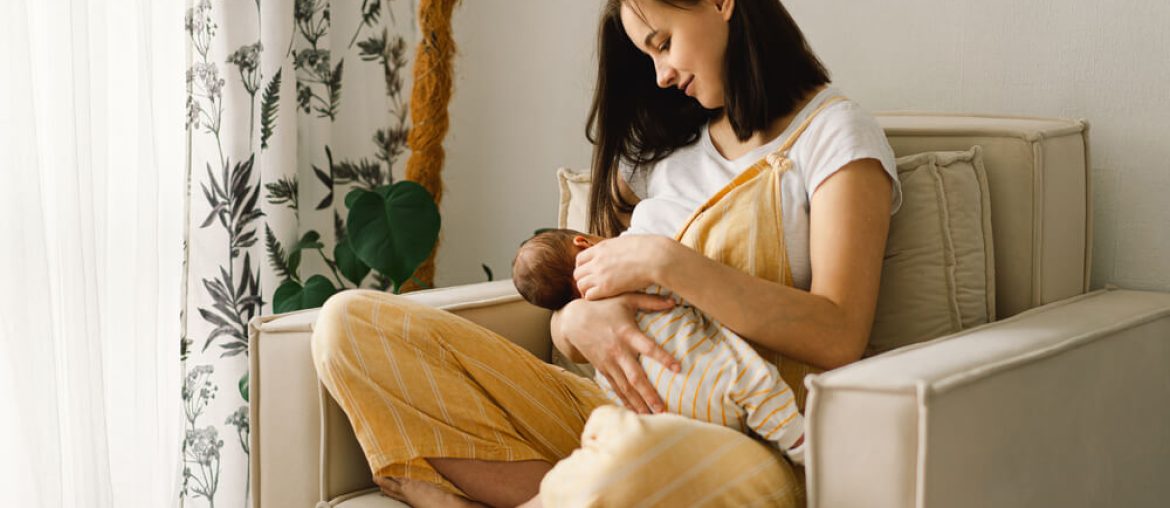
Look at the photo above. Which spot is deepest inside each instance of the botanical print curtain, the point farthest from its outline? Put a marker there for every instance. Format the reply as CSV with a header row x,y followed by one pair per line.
x,y
290,104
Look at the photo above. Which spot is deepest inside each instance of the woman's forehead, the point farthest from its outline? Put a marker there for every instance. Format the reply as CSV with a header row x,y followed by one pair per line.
x,y
640,19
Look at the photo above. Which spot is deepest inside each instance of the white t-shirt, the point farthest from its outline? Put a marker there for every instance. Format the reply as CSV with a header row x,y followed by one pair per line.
x,y
676,186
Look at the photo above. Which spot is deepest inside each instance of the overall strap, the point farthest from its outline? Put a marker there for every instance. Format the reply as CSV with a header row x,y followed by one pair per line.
x,y
777,159
782,152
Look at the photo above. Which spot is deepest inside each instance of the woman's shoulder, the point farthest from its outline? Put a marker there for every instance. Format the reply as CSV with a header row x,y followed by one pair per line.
x,y
843,132
843,117
842,126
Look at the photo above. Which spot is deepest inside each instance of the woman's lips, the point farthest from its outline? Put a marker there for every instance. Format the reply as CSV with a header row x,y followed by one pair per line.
x,y
687,87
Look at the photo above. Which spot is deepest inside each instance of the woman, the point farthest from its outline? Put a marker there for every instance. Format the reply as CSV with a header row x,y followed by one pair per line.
x,y
714,105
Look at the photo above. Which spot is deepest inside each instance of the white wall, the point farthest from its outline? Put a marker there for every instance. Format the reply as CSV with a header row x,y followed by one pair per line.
x,y
525,79
1107,62
524,83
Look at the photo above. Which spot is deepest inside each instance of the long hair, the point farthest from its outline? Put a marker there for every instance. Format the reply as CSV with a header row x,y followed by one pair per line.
x,y
768,68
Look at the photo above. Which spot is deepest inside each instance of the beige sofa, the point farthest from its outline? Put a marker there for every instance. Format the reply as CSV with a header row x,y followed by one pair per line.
x,y
1064,401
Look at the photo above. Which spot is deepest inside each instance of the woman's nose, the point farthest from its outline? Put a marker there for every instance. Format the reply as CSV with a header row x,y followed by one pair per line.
x,y
666,75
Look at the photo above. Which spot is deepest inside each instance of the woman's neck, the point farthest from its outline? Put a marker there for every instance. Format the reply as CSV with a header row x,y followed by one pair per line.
x,y
731,148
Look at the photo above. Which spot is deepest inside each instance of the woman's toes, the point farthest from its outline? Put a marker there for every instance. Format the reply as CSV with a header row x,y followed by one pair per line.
x,y
391,487
422,494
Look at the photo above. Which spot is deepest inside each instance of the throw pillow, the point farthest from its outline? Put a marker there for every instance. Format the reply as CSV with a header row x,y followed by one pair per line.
x,y
574,210
938,276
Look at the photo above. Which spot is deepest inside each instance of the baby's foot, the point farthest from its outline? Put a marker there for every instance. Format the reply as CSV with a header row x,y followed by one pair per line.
x,y
420,494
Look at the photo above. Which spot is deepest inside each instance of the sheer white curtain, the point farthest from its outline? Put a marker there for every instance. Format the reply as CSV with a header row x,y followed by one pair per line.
x,y
91,207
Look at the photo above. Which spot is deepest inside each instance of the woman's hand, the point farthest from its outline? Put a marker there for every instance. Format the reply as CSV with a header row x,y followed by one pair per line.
x,y
606,334
622,265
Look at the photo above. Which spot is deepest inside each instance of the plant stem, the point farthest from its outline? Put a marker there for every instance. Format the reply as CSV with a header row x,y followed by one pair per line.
x,y
355,34
333,268
252,124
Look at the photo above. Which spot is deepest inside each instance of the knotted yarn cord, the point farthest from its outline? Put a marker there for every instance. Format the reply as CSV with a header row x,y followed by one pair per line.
x,y
429,97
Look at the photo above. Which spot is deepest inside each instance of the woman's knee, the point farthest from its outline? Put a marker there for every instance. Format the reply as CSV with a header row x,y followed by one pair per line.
x,y
342,313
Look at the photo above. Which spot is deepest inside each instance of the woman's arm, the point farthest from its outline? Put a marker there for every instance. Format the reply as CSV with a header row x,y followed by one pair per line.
x,y
829,325
604,333
558,338
554,324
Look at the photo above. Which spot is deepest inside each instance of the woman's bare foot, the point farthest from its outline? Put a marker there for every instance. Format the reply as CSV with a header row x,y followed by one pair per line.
x,y
420,494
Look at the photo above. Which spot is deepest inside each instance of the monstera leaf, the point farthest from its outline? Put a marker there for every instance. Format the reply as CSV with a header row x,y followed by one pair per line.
x,y
291,295
347,261
393,229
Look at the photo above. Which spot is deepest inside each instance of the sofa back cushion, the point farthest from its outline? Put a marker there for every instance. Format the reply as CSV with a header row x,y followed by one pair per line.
x,y
938,276
574,209
1038,178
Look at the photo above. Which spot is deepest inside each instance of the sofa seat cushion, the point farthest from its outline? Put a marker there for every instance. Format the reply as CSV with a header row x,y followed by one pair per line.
x,y
364,499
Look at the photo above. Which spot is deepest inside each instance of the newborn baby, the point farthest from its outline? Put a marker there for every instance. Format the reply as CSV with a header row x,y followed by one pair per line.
x,y
723,379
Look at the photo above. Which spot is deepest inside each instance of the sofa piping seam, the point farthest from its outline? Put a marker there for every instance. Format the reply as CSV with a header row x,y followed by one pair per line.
x,y
948,383
254,409
945,384
1038,214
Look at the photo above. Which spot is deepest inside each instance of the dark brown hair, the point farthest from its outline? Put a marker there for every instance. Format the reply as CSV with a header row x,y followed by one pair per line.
x,y
768,69
543,268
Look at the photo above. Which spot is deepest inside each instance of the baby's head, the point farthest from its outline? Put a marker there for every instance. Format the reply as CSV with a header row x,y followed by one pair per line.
x,y
543,268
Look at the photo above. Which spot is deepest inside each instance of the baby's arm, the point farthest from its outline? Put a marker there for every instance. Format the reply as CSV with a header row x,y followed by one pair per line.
x,y
769,404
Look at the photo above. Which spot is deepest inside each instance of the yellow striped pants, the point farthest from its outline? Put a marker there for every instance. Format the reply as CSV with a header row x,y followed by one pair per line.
x,y
420,382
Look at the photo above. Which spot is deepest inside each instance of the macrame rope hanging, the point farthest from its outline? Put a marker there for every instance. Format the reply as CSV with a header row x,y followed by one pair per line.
x,y
433,71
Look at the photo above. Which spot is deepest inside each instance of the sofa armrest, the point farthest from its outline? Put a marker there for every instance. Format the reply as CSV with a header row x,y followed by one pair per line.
x,y
302,447
1062,405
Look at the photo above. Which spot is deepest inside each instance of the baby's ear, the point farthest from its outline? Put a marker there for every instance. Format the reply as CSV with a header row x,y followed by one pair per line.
x,y
582,242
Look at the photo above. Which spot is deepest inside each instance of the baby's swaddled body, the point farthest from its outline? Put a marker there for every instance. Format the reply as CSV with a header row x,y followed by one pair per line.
x,y
723,379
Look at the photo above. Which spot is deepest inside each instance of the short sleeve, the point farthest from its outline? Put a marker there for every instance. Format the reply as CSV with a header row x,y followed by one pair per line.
x,y
841,134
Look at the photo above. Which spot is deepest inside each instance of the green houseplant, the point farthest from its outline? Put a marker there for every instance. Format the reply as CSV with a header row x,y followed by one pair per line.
x,y
389,230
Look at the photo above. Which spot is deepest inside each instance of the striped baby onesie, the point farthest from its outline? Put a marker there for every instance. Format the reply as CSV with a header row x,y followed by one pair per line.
x,y
723,379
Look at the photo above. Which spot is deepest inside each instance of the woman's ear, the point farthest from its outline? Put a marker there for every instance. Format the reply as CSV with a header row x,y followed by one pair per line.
x,y
725,8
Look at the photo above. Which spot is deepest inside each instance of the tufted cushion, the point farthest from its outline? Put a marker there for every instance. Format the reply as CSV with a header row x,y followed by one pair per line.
x,y
574,209
938,276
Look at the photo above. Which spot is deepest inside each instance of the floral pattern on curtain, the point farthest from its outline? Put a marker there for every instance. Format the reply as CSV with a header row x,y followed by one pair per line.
x,y
290,104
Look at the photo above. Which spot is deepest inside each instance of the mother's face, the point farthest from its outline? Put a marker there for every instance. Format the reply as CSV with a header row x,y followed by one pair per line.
x,y
687,45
